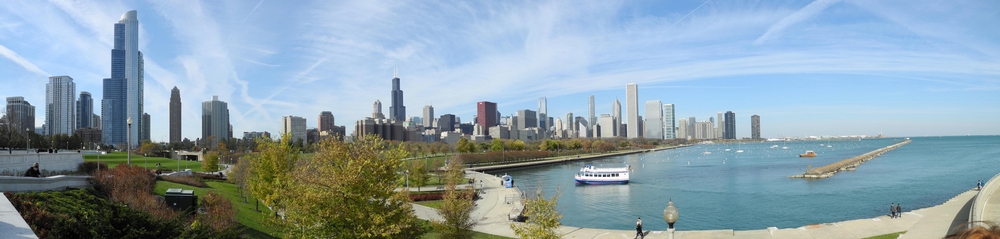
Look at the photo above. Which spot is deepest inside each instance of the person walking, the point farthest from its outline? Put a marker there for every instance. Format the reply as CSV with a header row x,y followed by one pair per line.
x,y
892,210
33,171
638,229
979,185
899,211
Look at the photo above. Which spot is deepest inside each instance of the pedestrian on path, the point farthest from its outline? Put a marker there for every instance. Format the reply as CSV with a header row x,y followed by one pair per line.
x,y
892,210
979,185
899,211
638,229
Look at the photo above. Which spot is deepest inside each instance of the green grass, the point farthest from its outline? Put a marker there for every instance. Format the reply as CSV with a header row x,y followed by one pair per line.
x,y
246,213
475,235
114,159
435,204
887,236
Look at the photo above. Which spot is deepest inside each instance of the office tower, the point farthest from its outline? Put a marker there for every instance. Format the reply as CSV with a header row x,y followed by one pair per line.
x,y
682,129
60,105
144,133
690,127
543,112
397,111
632,108
705,130
608,129
730,131
295,126
96,119
486,114
721,128
175,115
755,126
592,117
20,114
214,120
616,112
123,92
325,122
446,123
113,112
653,125
526,119
569,122
84,110
668,121
428,119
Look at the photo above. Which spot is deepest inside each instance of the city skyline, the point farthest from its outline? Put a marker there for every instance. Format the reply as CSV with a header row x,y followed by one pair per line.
x,y
799,64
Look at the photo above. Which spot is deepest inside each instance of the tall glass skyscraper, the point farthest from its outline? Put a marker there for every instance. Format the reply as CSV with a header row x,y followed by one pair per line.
x,y
668,120
85,110
632,108
654,120
123,92
397,111
60,105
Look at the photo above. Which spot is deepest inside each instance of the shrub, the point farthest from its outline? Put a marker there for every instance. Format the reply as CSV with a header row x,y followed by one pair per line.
x,y
186,180
90,167
81,214
132,186
219,213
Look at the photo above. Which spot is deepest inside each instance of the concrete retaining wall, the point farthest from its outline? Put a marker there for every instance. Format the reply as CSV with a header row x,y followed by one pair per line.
x,y
29,184
16,164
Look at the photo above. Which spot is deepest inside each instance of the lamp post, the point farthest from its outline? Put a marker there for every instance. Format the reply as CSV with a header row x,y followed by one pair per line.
x,y
670,216
128,145
407,173
27,135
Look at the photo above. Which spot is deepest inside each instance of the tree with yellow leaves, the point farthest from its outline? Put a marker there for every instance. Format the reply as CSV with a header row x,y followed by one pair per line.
x,y
270,173
543,218
457,207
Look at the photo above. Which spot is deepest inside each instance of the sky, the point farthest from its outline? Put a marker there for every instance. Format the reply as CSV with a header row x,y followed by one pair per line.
x,y
825,67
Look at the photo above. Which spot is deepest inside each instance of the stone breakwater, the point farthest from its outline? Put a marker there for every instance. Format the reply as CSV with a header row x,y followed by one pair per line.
x,y
847,164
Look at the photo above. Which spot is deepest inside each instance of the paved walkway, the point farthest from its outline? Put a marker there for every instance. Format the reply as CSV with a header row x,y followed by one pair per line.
x,y
932,222
11,223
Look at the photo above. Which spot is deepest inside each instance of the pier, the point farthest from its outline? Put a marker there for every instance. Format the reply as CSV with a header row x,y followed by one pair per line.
x,y
847,164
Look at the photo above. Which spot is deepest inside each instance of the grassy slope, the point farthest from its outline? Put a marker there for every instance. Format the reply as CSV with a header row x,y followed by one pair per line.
x,y
887,236
475,235
113,159
246,212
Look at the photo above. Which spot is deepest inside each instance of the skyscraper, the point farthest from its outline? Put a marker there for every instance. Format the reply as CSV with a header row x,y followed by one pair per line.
x,y
690,127
653,125
428,119
144,133
377,110
526,119
486,114
214,120
446,123
682,128
397,111
632,107
175,115
592,117
543,114
123,92
295,126
721,129
97,121
755,126
616,112
730,131
325,122
20,114
60,105
668,121
84,110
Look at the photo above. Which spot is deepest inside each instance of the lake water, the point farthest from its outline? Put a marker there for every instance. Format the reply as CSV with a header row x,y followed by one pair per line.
x,y
751,190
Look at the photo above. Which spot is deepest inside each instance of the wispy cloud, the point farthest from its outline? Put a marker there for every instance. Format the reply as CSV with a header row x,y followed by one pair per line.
x,y
13,56
808,11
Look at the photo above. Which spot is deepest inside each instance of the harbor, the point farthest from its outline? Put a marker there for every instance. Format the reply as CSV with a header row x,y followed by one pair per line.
x,y
850,164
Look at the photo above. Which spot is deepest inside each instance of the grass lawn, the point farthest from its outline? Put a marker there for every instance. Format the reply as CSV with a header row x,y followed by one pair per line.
x,y
475,235
887,236
246,213
114,159
435,204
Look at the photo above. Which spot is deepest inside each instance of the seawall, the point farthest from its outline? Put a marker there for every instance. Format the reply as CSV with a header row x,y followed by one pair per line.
x,y
561,159
830,169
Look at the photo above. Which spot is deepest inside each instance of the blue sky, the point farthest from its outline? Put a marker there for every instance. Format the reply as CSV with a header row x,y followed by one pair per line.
x,y
903,68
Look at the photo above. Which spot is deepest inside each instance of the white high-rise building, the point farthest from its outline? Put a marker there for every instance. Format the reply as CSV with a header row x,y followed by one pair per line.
x,y
133,71
682,128
607,126
592,117
60,105
668,121
294,125
632,108
428,120
616,112
720,129
654,120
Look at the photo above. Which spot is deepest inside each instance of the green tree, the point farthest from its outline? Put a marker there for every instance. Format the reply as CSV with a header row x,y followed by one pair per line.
x,y
418,174
517,145
496,145
457,207
211,162
346,190
542,218
484,146
462,145
270,173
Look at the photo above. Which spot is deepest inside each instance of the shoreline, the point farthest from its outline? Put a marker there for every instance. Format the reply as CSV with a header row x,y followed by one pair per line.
x,y
560,159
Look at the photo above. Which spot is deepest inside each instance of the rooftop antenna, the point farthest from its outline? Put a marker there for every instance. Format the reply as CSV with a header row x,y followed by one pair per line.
x,y
395,72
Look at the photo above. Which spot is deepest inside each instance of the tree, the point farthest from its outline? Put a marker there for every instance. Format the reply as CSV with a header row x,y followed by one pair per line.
x,y
346,190
271,172
211,162
496,145
462,145
147,147
418,174
484,147
542,218
517,145
457,208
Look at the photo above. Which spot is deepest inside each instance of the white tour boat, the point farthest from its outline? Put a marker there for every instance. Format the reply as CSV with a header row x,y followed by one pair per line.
x,y
593,175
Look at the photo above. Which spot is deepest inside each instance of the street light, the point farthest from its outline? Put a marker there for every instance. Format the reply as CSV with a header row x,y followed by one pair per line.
x,y
128,145
407,173
670,216
27,135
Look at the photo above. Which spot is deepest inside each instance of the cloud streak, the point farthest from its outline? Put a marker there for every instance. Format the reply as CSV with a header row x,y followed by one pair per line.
x,y
806,12
20,61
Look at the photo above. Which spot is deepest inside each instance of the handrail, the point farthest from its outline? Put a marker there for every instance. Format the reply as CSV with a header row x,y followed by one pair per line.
x,y
979,204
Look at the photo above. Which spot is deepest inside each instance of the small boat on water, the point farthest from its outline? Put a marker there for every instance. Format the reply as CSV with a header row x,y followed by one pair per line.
x,y
739,151
727,150
809,153
786,147
594,175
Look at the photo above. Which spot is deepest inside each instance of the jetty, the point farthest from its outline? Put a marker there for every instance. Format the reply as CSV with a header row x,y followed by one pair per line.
x,y
847,164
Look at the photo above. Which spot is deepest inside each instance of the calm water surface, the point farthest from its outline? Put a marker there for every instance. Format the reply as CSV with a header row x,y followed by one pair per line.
x,y
751,190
